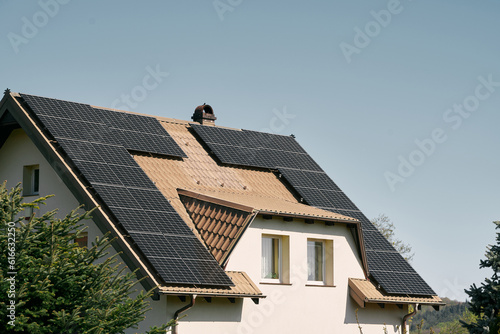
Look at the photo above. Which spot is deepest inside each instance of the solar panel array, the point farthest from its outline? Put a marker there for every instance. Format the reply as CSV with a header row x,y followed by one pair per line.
x,y
256,149
98,143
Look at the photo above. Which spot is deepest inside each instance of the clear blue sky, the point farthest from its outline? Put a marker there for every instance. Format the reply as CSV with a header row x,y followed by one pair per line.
x,y
357,112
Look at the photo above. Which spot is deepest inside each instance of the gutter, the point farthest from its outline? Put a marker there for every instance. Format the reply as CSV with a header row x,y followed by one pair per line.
x,y
409,315
182,309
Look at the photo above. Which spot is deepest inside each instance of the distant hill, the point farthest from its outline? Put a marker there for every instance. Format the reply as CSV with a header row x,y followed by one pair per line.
x,y
444,321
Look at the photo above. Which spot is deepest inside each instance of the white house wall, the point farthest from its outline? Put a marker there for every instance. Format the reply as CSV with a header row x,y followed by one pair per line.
x,y
298,308
19,151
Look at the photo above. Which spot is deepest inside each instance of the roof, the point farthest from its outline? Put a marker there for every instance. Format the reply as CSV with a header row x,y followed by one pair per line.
x,y
365,292
243,287
133,165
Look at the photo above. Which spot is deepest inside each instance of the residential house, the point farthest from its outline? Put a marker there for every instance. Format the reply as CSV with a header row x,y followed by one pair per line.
x,y
240,231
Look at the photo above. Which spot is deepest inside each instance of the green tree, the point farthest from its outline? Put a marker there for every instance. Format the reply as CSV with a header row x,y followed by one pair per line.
x,y
485,300
387,228
58,286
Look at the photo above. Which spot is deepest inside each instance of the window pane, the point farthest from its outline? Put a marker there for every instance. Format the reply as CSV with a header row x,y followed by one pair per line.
x,y
36,180
270,258
315,261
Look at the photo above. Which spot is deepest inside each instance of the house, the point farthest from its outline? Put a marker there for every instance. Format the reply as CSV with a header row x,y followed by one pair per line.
x,y
239,230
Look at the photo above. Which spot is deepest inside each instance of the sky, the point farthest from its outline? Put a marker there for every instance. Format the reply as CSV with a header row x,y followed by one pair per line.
x,y
396,100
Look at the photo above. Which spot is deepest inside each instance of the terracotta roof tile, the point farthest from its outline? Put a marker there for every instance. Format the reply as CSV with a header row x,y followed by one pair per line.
x,y
225,227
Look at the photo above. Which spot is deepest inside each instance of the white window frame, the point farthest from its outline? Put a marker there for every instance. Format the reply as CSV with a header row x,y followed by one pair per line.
x,y
323,263
280,260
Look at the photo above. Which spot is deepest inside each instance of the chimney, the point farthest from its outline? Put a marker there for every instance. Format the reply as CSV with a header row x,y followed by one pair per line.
x,y
204,114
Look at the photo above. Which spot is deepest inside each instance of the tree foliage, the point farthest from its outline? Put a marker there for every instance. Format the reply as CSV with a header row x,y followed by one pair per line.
x,y
387,228
485,299
61,287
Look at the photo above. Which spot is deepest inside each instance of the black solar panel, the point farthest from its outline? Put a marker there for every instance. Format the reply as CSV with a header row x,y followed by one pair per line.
x,y
96,172
97,143
79,121
188,247
167,257
80,150
402,283
135,220
149,199
168,223
133,177
174,270
117,196
63,109
114,155
256,149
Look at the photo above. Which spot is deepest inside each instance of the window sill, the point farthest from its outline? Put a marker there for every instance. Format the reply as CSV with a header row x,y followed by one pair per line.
x,y
322,285
275,283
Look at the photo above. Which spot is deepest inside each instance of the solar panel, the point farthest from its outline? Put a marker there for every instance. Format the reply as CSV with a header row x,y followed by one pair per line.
x,y
116,196
402,283
97,142
114,155
169,261
174,270
148,199
208,273
254,149
135,220
168,222
188,247
80,150
133,177
96,172
62,109
132,122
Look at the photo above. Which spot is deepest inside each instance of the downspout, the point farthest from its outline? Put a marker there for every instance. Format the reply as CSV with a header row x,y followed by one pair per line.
x,y
183,309
409,315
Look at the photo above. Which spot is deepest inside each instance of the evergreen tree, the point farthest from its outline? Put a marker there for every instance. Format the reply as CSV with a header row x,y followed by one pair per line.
x,y
485,300
49,284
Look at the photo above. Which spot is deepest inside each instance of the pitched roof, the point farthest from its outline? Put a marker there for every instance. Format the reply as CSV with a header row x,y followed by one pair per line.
x,y
364,291
133,165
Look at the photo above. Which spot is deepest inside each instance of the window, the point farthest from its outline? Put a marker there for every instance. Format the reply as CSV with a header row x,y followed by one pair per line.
x,y
31,180
271,258
320,262
275,265
82,240
315,261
